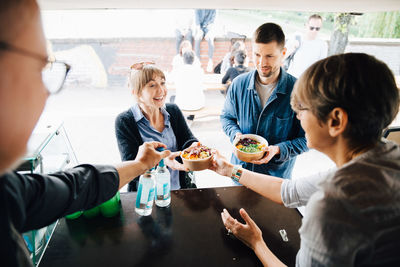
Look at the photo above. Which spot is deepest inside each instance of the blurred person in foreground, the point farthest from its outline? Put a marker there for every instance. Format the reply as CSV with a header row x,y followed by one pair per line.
x,y
32,201
258,102
352,212
150,119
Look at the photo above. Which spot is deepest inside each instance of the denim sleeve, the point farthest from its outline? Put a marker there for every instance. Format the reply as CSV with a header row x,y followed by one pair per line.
x,y
229,116
294,147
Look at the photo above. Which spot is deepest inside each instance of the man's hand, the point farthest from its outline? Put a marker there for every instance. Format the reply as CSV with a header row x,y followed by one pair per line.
x,y
248,233
148,156
270,152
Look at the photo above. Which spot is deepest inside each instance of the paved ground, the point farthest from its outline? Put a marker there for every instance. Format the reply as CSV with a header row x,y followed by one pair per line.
x,y
89,113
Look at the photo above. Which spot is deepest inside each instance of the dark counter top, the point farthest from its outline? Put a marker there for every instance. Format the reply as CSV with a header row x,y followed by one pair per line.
x,y
188,233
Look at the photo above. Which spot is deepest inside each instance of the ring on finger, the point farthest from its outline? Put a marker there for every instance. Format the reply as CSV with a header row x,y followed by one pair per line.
x,y
229,231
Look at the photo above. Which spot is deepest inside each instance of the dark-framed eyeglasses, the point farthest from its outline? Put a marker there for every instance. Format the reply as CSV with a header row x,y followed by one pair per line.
x,y
53,74
140,65
314,28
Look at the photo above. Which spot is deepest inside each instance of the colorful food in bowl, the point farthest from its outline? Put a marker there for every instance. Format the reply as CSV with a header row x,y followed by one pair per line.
x,y
196,158
249,147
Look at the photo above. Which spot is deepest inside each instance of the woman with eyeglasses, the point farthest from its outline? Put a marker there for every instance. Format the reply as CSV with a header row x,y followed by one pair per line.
x,y
150,119
32,201
352,213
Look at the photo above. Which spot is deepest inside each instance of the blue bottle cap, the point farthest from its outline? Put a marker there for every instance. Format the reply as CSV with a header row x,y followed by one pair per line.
x,y
160,149
161,164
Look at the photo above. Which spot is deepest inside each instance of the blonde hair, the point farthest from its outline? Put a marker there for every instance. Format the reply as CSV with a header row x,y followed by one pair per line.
x,y
139,78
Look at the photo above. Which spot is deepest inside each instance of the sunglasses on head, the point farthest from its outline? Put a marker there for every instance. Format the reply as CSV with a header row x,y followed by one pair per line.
x,y
140,65
314,28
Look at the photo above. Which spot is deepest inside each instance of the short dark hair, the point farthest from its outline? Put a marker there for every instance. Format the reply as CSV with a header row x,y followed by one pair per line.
x,y
360,84
188,57
240,56
269,32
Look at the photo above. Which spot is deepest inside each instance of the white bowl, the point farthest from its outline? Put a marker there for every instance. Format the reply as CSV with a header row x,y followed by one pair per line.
x,y
248,157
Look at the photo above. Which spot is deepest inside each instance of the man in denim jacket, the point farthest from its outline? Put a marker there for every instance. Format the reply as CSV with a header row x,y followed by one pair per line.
x,y
259,103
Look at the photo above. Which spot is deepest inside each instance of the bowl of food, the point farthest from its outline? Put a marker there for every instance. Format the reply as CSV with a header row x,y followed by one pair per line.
x,y
249,147
196,158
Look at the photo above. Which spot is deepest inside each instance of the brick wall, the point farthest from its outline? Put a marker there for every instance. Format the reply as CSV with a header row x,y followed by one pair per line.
x,y
106,62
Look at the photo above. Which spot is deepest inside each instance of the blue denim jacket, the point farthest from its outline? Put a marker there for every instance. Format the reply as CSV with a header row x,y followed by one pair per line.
x,y
276,122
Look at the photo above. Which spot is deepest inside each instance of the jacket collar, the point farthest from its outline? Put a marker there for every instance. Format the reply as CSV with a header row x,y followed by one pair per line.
x,y
281,86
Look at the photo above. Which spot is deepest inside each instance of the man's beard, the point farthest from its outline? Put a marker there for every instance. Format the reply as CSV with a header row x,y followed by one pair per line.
x,y
268,74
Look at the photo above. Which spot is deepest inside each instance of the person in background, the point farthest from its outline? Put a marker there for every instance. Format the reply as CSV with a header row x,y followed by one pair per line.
x,y
184,28
204,28
258,102
352,212
177,61
150,119
307,48
228,60
189,85
237,69
32,201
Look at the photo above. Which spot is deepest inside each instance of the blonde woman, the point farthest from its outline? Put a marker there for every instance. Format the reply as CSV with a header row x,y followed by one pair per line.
x,y
150,119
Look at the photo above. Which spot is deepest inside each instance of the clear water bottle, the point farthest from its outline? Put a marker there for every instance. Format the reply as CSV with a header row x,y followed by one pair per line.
x,y
163,185
145,193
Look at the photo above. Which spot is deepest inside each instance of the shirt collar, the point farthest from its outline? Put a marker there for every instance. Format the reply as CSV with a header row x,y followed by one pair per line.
x,y
280,86
138,114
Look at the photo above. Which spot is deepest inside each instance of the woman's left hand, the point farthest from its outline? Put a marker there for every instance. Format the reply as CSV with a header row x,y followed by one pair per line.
x,y
171,162
248,233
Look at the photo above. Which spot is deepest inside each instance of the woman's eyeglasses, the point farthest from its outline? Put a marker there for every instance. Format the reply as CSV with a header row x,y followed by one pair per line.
x,y
53,74
314,28
140,65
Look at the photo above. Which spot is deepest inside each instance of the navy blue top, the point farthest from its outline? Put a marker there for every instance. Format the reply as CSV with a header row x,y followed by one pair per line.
x,y
276,121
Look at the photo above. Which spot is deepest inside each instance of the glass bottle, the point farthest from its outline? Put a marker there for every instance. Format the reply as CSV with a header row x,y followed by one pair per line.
x,y
145,193
163,185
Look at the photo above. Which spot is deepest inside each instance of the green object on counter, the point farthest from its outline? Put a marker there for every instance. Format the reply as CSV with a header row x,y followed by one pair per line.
x,y
111,207
91,213
74,215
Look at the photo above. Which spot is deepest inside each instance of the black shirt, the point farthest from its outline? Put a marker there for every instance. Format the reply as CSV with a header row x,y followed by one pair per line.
x,y
233,72
32,201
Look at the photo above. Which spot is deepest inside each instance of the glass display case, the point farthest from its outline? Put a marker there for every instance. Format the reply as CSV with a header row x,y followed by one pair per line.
x,y
49,150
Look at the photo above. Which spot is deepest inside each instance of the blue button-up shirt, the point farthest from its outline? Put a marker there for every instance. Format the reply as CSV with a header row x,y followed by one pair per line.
x,y
276,121
167,137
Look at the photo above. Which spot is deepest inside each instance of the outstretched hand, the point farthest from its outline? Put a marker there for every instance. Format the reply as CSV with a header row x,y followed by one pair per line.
x,y
149,156
220,164
248,233
171,162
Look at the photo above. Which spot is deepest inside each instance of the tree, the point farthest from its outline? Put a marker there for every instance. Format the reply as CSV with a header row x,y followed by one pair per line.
x,y
339,37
